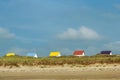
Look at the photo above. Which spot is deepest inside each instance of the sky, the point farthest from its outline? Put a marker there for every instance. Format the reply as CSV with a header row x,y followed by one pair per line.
x,y
42,26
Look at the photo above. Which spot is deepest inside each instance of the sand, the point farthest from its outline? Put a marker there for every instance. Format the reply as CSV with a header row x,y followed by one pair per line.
x,y
66,72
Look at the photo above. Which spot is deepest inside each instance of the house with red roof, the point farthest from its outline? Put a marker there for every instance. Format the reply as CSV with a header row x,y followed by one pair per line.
x,y
79,53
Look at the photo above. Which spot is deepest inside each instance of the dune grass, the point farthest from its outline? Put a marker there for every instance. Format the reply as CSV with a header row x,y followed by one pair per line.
x,y
29,61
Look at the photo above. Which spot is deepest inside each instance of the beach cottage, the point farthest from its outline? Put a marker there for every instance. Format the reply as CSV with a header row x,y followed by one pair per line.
x,y
32,55
55,54
79,53
10,54
106,52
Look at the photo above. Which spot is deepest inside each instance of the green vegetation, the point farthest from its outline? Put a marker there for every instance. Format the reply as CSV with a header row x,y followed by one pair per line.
x,y
29,61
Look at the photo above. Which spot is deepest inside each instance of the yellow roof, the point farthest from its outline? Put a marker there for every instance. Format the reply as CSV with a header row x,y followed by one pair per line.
x,y
55,54
10,54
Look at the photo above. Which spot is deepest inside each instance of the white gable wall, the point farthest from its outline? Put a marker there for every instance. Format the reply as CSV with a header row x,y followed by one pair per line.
x,y
80,55
59,55
35,56
110,53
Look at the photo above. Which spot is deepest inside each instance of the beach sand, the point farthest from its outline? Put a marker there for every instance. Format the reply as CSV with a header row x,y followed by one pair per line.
x,y
66,72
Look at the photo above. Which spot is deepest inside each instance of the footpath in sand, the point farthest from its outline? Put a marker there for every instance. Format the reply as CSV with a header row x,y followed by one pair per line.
x,y
91,72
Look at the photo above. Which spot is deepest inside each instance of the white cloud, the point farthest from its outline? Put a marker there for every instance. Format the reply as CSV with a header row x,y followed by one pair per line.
x,y
92,50
5,34
111,15
66,51
115,46
19,51
117,6
83,33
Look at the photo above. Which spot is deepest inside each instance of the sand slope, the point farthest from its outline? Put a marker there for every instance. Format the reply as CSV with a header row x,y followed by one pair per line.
x,y
92,72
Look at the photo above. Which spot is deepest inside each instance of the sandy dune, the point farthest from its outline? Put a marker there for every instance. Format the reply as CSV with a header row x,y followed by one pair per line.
x,y
92,72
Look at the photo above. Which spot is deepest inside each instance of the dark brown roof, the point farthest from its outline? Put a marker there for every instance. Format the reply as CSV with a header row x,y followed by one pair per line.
x,y
106,52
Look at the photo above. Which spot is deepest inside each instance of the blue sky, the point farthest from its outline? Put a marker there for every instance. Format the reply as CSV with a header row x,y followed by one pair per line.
x,y
59,25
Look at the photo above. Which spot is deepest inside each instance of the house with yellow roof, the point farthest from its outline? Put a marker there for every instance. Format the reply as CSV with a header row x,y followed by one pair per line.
x,y
55,54
10,54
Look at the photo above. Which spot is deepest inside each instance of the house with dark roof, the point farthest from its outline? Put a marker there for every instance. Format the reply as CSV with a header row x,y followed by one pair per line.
x,y
106,52
79,53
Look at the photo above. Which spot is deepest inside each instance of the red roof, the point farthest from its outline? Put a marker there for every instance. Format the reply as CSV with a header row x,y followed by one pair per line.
x,y
78,52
